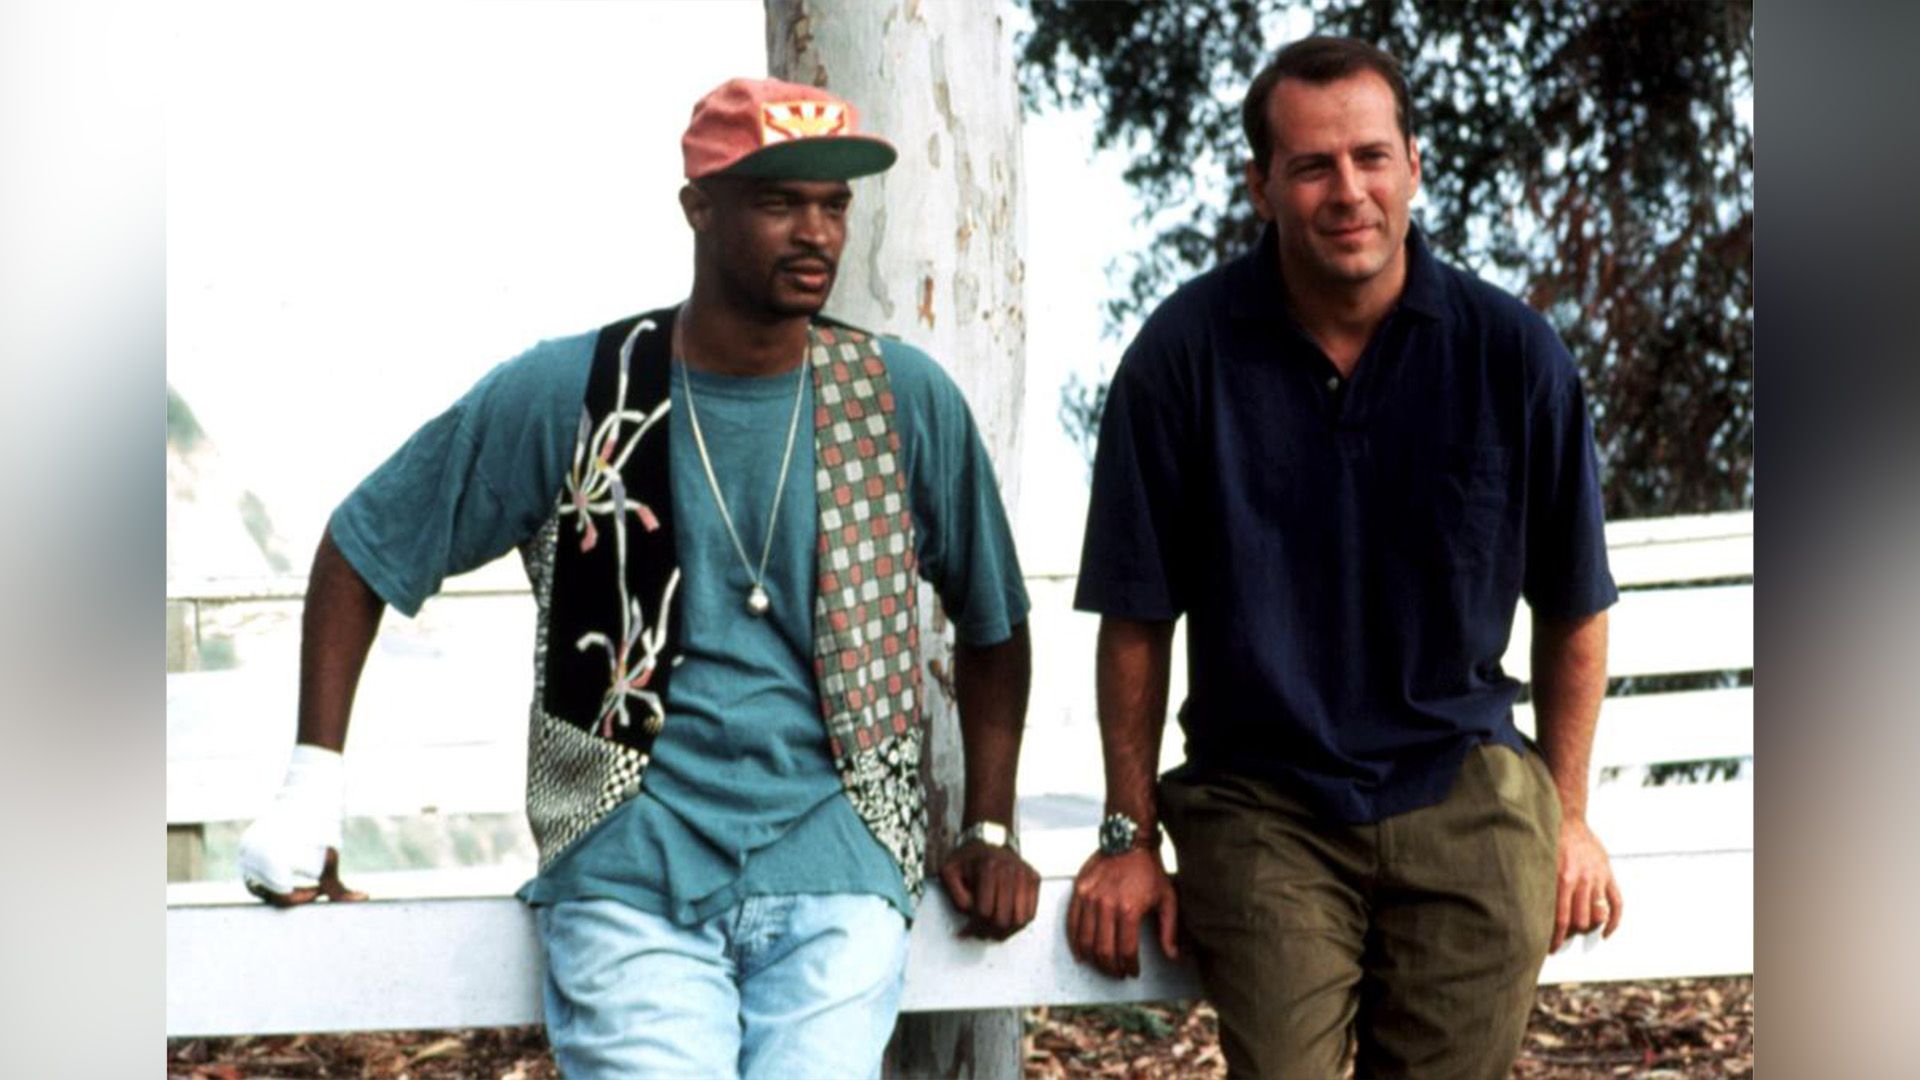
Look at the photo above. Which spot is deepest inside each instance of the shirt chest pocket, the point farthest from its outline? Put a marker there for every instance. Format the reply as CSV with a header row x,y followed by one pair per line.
x,y
1458,509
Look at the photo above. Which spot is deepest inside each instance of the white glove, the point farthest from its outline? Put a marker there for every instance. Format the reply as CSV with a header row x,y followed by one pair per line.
x,y
287,846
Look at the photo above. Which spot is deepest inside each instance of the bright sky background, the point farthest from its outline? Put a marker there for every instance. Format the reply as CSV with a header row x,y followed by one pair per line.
x,y
371,205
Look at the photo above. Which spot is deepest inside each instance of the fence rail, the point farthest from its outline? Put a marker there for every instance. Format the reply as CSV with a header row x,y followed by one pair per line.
x,y
438,730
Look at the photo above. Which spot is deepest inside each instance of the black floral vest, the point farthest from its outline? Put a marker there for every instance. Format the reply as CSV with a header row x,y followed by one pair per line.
x,y
604,575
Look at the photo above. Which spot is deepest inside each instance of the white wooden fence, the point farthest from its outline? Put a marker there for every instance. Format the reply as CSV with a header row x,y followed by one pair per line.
x,y
444,734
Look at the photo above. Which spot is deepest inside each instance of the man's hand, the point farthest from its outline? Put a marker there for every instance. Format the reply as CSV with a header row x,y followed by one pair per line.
x,y
1111,895
1586,897
328,885
291,854
994,886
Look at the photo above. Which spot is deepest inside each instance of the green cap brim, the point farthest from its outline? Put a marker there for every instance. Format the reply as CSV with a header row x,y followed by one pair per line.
x,y
828,157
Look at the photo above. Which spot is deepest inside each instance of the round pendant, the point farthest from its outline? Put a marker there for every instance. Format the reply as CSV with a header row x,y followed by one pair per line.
x,y
757,600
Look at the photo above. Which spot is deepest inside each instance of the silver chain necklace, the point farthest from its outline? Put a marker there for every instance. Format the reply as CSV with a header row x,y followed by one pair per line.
x,y
758,602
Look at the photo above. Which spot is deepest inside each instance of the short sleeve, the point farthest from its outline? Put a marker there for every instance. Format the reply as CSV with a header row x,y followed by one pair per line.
x,y
962,539
1566,568
472,483
1131,563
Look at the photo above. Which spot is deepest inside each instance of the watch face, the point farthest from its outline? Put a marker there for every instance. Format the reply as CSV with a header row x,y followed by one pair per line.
x,y
1116,833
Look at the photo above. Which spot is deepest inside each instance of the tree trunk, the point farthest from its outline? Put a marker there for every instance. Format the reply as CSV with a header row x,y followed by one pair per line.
x,y
934,256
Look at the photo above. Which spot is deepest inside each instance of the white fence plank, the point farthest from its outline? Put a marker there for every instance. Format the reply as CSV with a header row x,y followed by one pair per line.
x,y
401,701
428,736
407,964
379,965
1690,560
494,882
1686,725
1681,528
1684,916
244,968
448,778
1672,818
1706,629
1698,548
1663,631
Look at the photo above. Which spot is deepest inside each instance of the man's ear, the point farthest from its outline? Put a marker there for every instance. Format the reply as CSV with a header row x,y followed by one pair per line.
x,y
1256,179
697,205
1413,161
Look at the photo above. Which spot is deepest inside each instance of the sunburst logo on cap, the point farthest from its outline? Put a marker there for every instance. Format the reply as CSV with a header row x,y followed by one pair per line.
x,y
785,121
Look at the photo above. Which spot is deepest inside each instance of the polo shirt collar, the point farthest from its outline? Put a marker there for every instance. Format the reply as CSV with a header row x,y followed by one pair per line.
x,y
1255,290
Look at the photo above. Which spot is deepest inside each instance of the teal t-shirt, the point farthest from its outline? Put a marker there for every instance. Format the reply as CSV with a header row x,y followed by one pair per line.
x,y
741,797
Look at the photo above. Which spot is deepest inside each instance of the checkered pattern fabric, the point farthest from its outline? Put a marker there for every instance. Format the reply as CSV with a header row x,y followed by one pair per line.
x,y
865,635
574,778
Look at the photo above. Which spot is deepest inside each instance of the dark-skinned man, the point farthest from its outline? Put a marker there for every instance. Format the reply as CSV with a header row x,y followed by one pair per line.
x,y
1345,463
723,508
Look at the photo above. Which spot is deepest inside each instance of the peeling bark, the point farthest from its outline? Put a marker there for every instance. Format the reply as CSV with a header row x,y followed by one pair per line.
x,y
934,255
938,76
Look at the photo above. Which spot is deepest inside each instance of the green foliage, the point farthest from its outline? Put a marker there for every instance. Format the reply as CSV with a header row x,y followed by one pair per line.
x,y
1588,155
259,526
183,429
216,652
1707,771
1135,1020
1081,403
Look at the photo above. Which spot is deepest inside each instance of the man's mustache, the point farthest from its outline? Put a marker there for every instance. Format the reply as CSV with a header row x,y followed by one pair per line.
x,y
808,263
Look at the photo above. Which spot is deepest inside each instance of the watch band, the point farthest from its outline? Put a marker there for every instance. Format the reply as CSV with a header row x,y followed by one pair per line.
x,y
988,832
1120,834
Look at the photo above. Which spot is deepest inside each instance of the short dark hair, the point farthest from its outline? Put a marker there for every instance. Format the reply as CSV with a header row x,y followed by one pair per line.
x,y
1320,60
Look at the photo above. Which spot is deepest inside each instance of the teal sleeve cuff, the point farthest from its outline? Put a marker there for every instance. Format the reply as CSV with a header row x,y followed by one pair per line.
x,y
349,535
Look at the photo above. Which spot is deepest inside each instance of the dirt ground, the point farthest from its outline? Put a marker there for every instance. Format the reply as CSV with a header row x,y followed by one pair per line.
x,y
1682,1029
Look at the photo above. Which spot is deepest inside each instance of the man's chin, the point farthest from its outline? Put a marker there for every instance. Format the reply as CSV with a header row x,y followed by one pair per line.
x,y
1353,268
795,311
787,305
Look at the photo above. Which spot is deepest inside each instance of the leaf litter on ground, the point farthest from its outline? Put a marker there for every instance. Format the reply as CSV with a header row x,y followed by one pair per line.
x,y
1675,1029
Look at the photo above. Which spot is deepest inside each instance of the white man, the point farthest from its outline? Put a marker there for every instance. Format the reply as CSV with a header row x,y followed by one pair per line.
x,y
1345,463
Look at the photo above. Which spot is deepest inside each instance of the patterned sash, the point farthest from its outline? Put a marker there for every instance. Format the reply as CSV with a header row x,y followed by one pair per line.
x,y
866,641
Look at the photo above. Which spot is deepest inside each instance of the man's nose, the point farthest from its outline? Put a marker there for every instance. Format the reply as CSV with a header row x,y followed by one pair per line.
x,y
1346,183
811,226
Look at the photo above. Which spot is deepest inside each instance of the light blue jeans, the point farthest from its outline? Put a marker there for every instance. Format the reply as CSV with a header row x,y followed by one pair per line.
x,y
779,986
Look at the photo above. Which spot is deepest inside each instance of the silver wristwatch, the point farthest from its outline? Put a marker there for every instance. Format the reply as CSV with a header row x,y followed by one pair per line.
x,y
988,832
1120,834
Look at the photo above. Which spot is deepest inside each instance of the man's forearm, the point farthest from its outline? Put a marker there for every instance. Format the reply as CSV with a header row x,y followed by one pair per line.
x,y
1569,682
1131,668
336,631
990,685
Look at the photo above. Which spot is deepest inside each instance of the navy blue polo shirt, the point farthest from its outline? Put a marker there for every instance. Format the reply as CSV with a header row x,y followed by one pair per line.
x,y
1348,553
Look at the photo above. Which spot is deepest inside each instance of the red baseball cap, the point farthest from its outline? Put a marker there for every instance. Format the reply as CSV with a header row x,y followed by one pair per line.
x,y
773,129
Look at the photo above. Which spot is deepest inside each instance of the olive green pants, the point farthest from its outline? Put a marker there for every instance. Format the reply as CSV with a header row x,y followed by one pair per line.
x,y
1419,938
